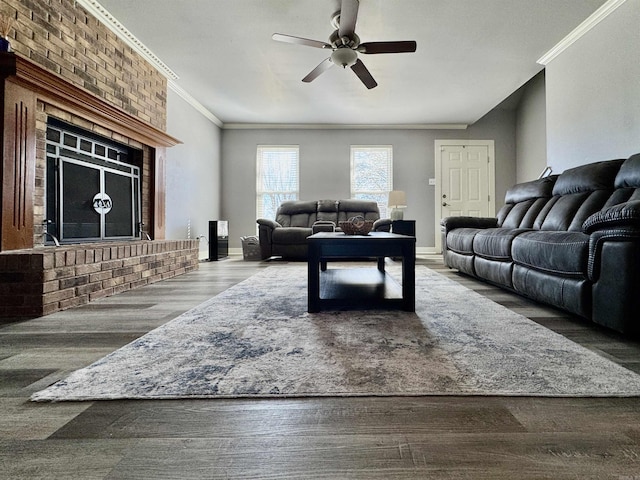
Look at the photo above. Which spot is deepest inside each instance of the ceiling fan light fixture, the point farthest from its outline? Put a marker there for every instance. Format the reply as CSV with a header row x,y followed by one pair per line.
x,y
345,57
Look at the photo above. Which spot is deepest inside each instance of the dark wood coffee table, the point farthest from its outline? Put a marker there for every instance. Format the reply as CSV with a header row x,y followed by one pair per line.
x,y
360,287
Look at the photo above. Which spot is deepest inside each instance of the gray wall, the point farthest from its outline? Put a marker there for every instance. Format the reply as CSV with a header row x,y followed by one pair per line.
x,y
325,163
531,130
585,108
499,125
593,93
193,172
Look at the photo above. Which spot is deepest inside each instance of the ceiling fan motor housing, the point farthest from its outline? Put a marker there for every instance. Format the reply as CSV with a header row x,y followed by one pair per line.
x,y
337,41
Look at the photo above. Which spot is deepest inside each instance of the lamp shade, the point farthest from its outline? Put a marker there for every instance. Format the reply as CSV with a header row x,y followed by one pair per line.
x,y
397,199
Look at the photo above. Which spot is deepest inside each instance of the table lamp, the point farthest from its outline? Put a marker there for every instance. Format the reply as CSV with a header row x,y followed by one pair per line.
x,y
397,201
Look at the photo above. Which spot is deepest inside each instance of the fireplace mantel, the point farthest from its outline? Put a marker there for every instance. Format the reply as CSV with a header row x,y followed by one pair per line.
x,y
23,85
57,91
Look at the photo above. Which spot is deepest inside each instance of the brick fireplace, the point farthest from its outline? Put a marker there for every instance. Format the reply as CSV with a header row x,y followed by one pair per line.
x,y
69,67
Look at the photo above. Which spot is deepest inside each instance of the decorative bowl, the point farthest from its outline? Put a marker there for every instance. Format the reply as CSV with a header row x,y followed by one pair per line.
x,y
356,226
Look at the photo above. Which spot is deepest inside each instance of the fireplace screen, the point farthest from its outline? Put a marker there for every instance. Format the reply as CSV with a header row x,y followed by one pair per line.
x,y
93,192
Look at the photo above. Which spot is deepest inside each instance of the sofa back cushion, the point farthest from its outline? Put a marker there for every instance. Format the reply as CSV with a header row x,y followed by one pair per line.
x,y
353,207
328,211
524,201
588,178
629,174
297,213
578,193
627,182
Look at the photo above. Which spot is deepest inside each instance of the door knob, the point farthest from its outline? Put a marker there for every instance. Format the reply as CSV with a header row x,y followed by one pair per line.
x,y
445,204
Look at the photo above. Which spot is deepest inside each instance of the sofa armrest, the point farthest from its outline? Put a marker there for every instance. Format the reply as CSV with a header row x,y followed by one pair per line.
x,y
268,223
265,228
614,252
613,256
617,224
623,215
382,225
449,223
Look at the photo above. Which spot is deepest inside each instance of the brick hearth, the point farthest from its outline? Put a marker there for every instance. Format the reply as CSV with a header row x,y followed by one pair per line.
x,y
44,280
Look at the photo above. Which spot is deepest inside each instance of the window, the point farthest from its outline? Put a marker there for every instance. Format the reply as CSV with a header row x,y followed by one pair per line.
x,y
277,178
372,174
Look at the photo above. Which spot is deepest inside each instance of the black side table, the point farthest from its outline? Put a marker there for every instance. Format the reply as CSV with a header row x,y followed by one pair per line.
x,y
218,239
404,227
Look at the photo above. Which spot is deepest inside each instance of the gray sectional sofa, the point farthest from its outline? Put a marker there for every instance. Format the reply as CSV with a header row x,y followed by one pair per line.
x,y
570,240
296,220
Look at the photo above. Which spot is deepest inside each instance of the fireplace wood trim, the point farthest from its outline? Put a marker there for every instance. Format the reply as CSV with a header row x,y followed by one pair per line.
x,y
59,92
24,83
17,170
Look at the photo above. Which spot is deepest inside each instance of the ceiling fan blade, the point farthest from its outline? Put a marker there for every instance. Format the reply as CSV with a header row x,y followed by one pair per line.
x,y
363,74
319,70
348,17
388,47
299,41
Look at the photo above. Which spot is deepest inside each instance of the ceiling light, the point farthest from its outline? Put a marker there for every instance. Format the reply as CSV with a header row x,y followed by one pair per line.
x,y
345,57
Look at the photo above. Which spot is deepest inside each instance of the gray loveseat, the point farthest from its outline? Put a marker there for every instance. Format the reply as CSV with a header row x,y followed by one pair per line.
x,y
571,240
296,220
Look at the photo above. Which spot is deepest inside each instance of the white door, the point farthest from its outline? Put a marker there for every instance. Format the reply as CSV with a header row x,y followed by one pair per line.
x,y
464,180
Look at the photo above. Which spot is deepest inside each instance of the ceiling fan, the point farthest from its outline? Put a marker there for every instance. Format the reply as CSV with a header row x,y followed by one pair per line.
x,y
345,45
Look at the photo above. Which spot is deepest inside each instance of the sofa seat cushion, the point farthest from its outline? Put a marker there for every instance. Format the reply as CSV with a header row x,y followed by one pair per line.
x,y
291,235
460,240
560,253
495,243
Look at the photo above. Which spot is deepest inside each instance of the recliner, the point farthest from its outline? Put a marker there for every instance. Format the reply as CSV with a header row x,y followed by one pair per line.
x,y
286,236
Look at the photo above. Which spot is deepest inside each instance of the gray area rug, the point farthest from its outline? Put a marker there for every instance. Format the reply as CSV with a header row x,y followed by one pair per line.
x,y
256,339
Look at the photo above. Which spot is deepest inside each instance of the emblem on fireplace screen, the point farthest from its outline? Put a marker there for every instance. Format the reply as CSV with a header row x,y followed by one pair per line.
x,y
102,203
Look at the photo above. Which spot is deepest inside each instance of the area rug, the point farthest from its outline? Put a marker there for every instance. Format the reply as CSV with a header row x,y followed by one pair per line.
x,y
256,339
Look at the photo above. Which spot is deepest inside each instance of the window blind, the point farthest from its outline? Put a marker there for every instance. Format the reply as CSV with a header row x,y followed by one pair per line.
x,y
372,174
277,177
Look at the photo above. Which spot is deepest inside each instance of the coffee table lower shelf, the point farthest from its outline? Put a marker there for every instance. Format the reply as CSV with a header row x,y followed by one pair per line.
x,y
362,288
359,287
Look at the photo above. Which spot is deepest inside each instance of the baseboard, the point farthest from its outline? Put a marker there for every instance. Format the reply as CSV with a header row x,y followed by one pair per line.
x,y
427,251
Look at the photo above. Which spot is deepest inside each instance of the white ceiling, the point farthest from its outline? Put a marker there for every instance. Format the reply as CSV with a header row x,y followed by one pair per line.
x,y
471,55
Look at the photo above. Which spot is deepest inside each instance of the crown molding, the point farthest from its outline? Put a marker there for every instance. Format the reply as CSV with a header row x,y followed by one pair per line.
x,y
112,23
596,17
186,96
337,126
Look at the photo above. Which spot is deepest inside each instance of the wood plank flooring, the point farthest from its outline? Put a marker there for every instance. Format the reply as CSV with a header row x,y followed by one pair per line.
x,y
311,438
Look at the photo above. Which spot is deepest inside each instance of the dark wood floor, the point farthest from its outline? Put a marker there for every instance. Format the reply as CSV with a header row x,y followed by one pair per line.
x,y
327,438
